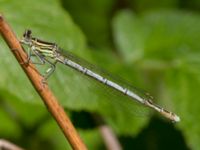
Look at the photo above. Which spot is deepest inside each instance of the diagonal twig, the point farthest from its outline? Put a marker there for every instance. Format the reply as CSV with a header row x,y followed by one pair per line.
x,y
45,93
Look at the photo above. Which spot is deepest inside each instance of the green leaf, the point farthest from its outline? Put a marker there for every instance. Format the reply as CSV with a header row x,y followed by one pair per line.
x,y
145,5
145,35
93,17
72,89
165,46
52,25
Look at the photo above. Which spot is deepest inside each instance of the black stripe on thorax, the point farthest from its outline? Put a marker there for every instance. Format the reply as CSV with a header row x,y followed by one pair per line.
x,y
43,42
43,45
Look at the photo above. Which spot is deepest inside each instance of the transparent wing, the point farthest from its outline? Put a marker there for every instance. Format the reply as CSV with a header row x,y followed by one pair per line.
x,y
110,97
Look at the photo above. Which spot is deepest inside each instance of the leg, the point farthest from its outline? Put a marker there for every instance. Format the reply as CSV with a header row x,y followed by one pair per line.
x,y
50,70
42,60
31,53
38,56
29,56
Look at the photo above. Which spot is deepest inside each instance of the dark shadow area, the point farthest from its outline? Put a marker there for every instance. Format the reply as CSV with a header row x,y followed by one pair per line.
x,y
83,120
158,135
193,5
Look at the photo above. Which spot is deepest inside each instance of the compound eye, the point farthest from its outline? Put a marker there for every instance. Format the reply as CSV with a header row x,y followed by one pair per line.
x,y
27,34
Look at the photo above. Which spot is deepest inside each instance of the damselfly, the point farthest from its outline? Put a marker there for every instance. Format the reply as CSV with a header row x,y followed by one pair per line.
x,y
45,50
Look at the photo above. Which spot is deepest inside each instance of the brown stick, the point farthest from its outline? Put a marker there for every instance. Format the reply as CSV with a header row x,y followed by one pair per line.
x,y
45,93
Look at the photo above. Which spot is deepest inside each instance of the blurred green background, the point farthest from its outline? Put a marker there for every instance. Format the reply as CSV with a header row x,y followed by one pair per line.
x,y
154,44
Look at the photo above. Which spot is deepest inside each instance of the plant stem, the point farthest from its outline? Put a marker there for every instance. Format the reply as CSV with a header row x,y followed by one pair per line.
x,y
43,90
